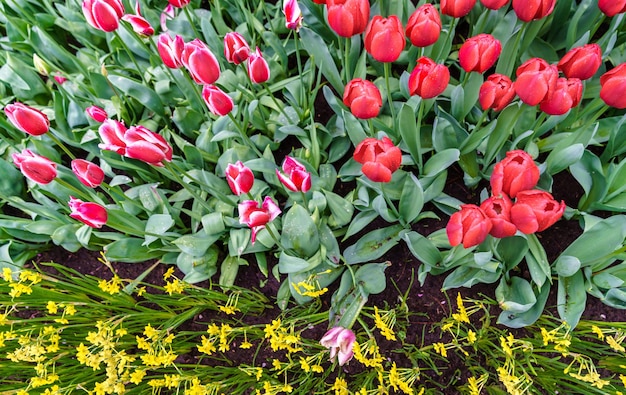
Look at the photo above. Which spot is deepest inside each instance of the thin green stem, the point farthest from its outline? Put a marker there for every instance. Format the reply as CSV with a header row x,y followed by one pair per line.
x,y
190,20
304,99
131,56
175,171
387,67
390,204
420,114
244,136
58,142
273,97
274,236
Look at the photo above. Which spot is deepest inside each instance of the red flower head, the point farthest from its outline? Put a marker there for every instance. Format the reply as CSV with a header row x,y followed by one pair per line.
x,y
613,84
612,7
147,146
496,92
294,177
217,100
236,49
200,62
479,53
380,158
384,38
528,10
240,178
535,211
428,79
293,15
91,214
494,4
469,226
581,62
97,113
27,119
566,95
257,217
498,209
90,174
112,135
456,8
103,14
35,167
348,17
536,80
171,50
258,69
179,3
424,26
139,24
515,173
363,98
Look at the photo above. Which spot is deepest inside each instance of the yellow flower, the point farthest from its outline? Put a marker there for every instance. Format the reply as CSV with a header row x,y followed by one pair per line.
x,y
70,310
7,274
174,287
168,273
595,329
245,345
440,348
137,376
471,336
304,365
615,344
52,307
461,316
230,310
207,346
385,323
340,387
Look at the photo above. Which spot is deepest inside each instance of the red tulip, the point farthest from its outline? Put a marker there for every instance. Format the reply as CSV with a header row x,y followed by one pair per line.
x,y
171,50
348,17
428,79
498,209
103,14
566,95
581,62
536,80
319,1
112,134
88,173
35,167
363,98
240,178
147,146
293,15
384,38
179,3
515,173
217,100
236,49
89,213
258,69
496,92
424,26
27,119
535,211
294,177
469,226
96,113
200,62
494,4
479,53
456,8
139,24
612,7
613,84
257,217
528,10
380,158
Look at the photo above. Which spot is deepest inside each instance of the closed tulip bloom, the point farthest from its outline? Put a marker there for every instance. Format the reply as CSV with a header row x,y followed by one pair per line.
x,y
515,173
536,80
104,15
258,69
236,49
496,92
498,209
340,342
348,17
171,50
479,53
217,100
179,3
59,79
613,84
27,119
35,167
363,98
139,24
424,26
428,79
380,158
456,8
469,226
257,217
240,178
294,176
88,173
528,10
97,113
566,95
384,38
293,15
200,62
91,214
112,134
612,7
494,4
168,13
581,62
147,146
535,210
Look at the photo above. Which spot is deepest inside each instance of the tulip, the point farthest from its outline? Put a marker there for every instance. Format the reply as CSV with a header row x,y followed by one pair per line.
x,y
428,79
217,100
380,158
469,226
91,214
613,84
168,13
139,24
566,95
424,26
59,79
498,209
257,217
35,167
200,62
171,50
293,15
179,3
384,38
88,173
528,10
112,134
340,341
612,7
103,14
494,4
147,146
536,80
348,17
479,53
319,1
581,62
515,173
239,177
27,119
236,49
535,211
496,92
294,177
456,8
97,113
363,98
258,69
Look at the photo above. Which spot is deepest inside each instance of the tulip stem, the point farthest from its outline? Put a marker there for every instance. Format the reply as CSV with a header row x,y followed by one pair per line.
x,y
420,115
190,20
280,108
273,236
391,205
73,189
304,200
387,67
303,97
244,136
175,171
58,142
131,56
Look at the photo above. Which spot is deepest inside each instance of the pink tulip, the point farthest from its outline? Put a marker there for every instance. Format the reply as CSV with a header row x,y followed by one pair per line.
x,y
168,13
35,167
293,15
103,14
96,113
236,49
217,100
294,177
91,214
171,50
340,341
258,69
112,134
139,24
88,173
257,217
27,119
240,178
179,3
147,146
200,62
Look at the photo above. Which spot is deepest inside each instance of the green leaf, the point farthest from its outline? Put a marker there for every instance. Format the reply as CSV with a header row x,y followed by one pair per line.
x,y
373,245
515,297
512,250
371,277
12,180
422,248
142,93
353,128
299,232
567,265
359,222
465,276
408,130
441,161
229,270
571,298
291,264
157,224
195,245
561,159
411,199
520,320
317,48
129,249
198,268
341,210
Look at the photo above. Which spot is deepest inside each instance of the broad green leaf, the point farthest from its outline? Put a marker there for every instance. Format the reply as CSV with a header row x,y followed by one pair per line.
x,y
409,131
156,226
373,245
318,50
129,249
353,128
571,298
12,180
422,248
469,276
229,270
291,264
511,250
140,92
440,162
561,159
515,297
299,232
359,222
196,268
412,199
520,320
567,265
371,277
195,245
340,208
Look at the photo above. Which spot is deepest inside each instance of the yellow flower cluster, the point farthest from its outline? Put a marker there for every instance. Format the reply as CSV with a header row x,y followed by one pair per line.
x,y
559,336
282,338
402,379
310,287
368,353
25,280
586,371
68,310
112,286
385,323
231,304
217,334
158,347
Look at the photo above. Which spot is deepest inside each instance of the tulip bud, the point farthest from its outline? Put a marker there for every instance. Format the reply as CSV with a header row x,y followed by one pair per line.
x,y
88,173
294,177
200,62
494,4
96,113
27,119
91,214
171,50
428,79
363,98
479,53
515,173
240,178
147,146
35,167
536,80
469,226
179,3
168,13
456,8
257,217
258,69
41,66
293,15
611,8
566,95
139,24
613,84
236,49
340,341
59,79
112,134
103,14
424,26
380,158
535,211
496,92
348,17
498,209
217,100
528,10
581,62
384,38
